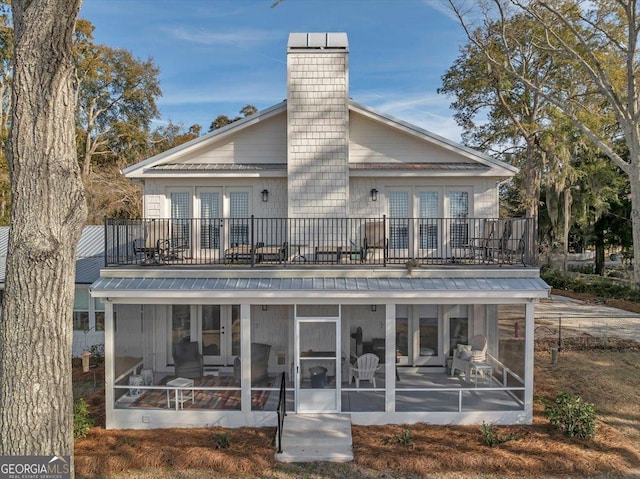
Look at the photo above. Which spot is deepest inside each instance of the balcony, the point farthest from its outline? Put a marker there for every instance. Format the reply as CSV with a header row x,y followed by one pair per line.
x,y
263,242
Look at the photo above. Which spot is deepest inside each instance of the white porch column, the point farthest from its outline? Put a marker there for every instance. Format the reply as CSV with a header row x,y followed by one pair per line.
x,y
528,360
245,356
109,356
390,357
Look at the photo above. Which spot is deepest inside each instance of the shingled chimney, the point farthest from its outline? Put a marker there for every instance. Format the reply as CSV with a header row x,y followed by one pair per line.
x,y
318,124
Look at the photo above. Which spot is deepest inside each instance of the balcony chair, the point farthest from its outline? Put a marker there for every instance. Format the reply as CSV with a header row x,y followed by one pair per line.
x,y
515,244
497,242
364,369
187,360
155,241
479,246
465,354
374,239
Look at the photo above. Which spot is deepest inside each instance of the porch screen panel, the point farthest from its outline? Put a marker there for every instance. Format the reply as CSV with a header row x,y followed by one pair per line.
x,y
402,329
235,330
180,217
211,330
429,212
180,323
458,212
398,220
239,222
210,220
429,337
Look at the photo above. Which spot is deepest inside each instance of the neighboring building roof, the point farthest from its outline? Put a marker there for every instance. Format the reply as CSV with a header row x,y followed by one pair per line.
x,y
89,255
354,288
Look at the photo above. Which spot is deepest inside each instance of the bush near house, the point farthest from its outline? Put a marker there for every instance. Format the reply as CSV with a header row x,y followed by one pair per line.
x,y
572,415
593,285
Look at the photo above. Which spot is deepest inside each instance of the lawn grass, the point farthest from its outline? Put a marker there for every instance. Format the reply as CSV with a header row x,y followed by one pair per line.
x,y
607,377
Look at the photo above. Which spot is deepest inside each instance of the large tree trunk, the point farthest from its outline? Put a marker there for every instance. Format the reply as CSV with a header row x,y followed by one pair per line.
x,y
634,182
47,214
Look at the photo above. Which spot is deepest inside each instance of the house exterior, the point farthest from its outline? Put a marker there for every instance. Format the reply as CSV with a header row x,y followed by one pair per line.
x,y
88,313
279,249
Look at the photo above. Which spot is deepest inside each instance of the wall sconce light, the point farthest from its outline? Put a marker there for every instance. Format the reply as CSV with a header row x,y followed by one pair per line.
x,y
264,307
374,194
265,195
374,308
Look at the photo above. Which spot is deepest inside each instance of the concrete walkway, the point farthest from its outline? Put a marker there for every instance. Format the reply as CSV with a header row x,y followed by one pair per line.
x,y
316,437
591,318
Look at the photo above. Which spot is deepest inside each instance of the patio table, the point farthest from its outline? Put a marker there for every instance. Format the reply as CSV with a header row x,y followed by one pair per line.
x,y
180,397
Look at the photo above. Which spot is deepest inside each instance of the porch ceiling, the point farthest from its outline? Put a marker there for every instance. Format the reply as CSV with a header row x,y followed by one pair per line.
x,y
463,290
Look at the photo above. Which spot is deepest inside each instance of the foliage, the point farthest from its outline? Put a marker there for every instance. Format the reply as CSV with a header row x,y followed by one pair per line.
x,y
491,436
594,48
403,438
223,120
222,440
82,422
572,415
594,285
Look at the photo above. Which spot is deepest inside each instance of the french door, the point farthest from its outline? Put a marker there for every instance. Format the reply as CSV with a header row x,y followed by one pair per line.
x,y
215,327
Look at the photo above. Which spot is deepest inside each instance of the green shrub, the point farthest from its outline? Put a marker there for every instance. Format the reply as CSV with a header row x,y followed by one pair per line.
x,y
82,422
491,436
572,415
222,441
594,285
403,438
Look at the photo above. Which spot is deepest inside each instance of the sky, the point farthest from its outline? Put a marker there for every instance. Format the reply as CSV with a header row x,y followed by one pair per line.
x,y
216,56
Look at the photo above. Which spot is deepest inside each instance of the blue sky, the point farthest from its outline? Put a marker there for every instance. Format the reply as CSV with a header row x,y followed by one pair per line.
x,y
215,56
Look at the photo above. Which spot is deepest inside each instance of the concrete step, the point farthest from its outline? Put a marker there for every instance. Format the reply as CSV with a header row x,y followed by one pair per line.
x,y
315,454
316,437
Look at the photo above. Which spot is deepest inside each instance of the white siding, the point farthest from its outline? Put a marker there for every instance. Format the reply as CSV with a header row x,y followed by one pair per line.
x,y
371,141
264,142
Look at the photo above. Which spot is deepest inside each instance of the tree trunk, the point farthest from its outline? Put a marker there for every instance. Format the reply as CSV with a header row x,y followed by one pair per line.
x,y
47,214
634,182
599,243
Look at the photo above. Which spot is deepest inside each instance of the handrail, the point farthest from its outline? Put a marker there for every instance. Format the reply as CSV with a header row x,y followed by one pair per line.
x,y
349,241
282,411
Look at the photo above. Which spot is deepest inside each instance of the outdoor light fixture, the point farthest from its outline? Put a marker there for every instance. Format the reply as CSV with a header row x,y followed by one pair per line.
x,y
265,195
374,308
264,306
374,194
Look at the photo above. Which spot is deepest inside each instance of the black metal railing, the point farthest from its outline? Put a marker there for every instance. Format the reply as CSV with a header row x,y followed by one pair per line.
x,y
328,241
282,412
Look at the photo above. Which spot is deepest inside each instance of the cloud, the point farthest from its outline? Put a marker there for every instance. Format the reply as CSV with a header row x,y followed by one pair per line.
x,y
240,38
441,6
428,111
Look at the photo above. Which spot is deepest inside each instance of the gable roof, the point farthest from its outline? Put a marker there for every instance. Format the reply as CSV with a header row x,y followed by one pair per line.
x,y
172,161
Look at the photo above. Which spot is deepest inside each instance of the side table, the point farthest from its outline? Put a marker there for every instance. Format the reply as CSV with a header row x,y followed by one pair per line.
x,y
181,384
484,369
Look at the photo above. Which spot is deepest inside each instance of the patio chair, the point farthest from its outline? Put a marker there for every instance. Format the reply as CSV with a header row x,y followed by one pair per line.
x,y
479,246
465,354
514,246
364,369
187,360
374,238
155,241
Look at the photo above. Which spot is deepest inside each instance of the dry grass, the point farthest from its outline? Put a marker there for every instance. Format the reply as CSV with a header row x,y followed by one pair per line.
x,y
607,378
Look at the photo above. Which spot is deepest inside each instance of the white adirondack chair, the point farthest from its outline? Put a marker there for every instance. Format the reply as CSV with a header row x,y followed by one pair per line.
x,y
365,369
